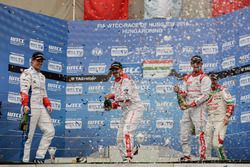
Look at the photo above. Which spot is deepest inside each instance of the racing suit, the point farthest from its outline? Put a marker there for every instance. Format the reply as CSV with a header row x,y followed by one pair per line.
x,y
33,80
126,96
196,90
220,105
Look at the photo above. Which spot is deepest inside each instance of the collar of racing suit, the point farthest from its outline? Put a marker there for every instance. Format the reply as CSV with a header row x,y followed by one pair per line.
x,y
195,74
123,75
217,86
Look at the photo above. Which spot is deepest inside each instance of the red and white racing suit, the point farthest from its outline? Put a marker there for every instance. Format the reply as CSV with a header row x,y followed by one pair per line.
x,y
34,80
196,89
220,105
125,95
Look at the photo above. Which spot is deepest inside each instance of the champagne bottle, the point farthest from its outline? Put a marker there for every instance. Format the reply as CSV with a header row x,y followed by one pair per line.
x,y
24,122
181,101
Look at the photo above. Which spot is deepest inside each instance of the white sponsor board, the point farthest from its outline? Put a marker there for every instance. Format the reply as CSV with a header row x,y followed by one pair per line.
x,y
36,45
73,123
165,124
55,66
164,50
16,58
16,41
119,51
95,106
74,89
244,81
245,117
75,52
210,49
244,40
14,97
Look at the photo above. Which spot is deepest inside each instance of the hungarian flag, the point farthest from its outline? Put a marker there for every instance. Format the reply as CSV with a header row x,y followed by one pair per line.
x,y
105,9
221,7
157,68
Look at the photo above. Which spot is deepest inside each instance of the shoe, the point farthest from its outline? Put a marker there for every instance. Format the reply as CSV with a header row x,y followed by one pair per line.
x,y
136,149
38,161
185,158
81,160
127,159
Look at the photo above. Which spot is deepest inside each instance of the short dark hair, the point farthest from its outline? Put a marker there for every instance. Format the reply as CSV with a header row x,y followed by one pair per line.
x,y
37,55
115,65
196,58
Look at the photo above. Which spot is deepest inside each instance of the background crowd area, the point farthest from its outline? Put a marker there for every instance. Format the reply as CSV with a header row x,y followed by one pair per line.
x,y
129,9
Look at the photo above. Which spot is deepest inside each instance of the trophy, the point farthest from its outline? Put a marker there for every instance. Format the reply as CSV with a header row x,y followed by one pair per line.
x,y
52,151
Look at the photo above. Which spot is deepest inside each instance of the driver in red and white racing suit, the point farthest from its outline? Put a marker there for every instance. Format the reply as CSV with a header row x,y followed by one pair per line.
x,y
220,109
196,90
125,95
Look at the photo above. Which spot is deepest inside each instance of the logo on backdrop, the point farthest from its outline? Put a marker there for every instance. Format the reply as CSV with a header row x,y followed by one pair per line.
x,y
185,67
14,97
228,62
14,80
164,124
55,104
16,41
244,81
56,122
95,89
13,116
229,84
228,45
244,40
75,52
55,66
73,106
97,68
74,89
188,49
245,117
95,123
16,58
54,87
245,98
74,69
73,123
163,89
132,68
164,50
97,52
36,45
119,51
95,106
114,123
244,58
209,49
54,49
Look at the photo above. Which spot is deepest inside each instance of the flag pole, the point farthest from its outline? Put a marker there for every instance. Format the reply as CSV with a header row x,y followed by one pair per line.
x,y
74,9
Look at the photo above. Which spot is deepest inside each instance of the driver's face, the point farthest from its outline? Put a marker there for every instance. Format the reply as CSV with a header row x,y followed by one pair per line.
x,y
116,72
196,65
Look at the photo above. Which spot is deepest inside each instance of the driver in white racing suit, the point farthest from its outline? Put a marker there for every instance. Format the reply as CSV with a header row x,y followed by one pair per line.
x,y
196,90
33,80
125,95
220,109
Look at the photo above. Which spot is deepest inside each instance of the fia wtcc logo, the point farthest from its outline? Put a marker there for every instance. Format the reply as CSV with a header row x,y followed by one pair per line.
x,y
73,106
145,122
36,45
73,124
55,104
54,87
16,41
244,81
95,106
55,66
210,49
165,124
14,98
74,89
12,116
97,68
16,58
119,51
97,52
55,49
95,124
244,40
74,69
164,104
14,80
75,52
95,89
146,105
162,89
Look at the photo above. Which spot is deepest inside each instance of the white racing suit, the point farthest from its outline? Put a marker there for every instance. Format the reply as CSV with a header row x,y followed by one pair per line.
x,y
196,89
33,80
219,105
126,96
